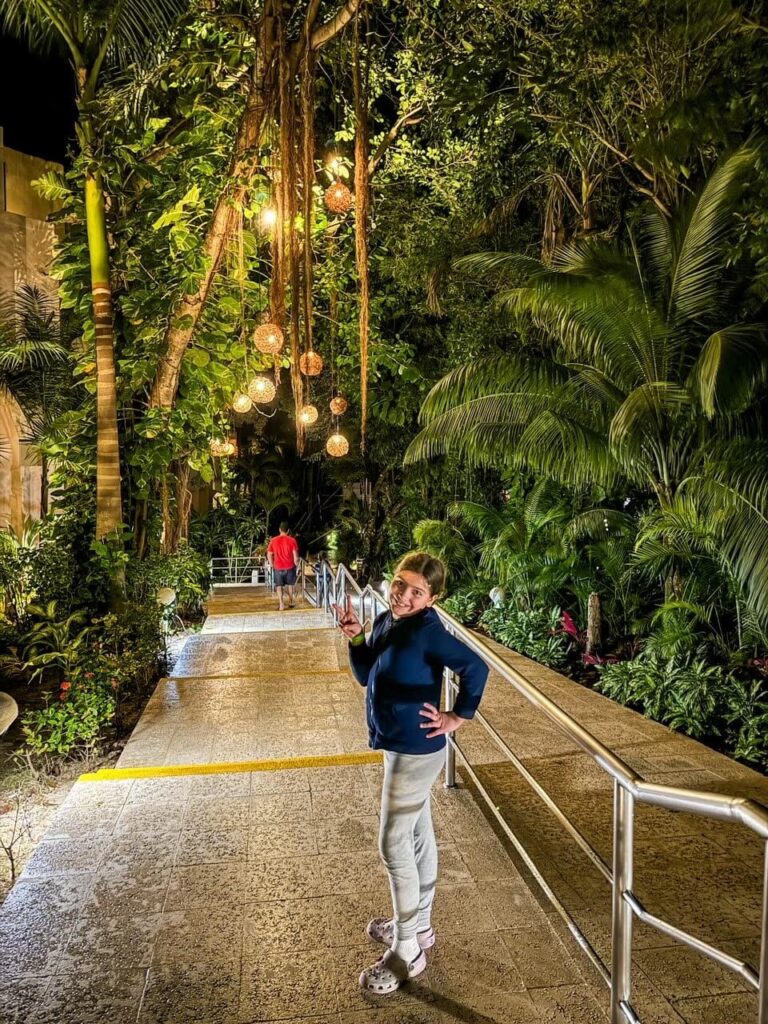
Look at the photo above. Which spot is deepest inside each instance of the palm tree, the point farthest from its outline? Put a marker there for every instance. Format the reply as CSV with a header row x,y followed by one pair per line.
x,y
648,378
273,494
521,542
35,364
94,32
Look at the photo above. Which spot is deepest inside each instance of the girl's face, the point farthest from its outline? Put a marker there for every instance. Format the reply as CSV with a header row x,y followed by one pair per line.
x,y
409,593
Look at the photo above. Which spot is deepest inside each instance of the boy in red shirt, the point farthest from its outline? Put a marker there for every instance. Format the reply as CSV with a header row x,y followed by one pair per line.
x,y
283,555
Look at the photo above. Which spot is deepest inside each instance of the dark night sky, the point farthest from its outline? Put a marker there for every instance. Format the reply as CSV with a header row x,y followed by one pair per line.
x,y
37,108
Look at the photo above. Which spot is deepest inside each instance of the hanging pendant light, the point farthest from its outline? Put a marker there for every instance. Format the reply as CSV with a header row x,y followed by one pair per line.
x,y
339,405
311,363
241,402
338,198
230,446
308,415
337,445
268,338
261,390
217,447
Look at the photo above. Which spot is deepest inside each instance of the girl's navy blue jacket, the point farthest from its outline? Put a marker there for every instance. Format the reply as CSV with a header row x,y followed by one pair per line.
x,y
401,665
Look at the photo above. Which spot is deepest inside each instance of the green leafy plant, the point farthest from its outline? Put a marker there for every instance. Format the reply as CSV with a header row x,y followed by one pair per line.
x,y
529,631
465,604
185,571
51,642
75,722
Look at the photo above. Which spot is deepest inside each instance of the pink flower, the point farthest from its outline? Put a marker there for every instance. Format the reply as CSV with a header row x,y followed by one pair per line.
x,y
65,686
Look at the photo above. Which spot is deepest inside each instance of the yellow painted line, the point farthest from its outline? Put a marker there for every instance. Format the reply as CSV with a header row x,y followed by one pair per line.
x,y
266,672
224,768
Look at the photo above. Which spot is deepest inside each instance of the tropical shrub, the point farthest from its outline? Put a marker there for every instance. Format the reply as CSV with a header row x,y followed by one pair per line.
x,y
74,722
186,571
464,604
108,669
530,631
694,696
51,644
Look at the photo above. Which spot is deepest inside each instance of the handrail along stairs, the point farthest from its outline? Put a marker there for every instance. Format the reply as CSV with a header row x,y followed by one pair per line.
x,y
629,788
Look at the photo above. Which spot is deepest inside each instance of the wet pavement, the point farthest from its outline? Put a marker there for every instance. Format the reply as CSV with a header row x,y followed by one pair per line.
x,y
220,893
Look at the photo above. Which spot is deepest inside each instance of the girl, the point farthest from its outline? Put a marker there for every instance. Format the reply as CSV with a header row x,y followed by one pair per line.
x,y
401,667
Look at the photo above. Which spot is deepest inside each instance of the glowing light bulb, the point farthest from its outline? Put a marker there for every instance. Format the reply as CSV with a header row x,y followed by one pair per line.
x,y
241,402
268,218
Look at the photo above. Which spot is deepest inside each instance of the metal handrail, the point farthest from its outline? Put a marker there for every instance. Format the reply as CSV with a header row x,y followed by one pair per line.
x,y
629,788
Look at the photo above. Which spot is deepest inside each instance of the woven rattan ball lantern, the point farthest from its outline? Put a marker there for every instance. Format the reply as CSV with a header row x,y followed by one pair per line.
x,y
268,338
338,198
261,390
241,402
308,415
337,445
230,448
339,405
311,363
217,447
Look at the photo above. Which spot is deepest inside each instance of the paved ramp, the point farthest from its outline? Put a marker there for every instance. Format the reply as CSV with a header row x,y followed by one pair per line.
x,y
226,871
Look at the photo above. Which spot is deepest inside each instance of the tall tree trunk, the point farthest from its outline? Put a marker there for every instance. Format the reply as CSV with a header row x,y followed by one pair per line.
x,y
594,623
183,503
43,485
109,515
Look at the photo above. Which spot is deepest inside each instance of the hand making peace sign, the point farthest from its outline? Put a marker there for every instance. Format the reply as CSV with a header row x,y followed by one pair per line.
x,y
348,622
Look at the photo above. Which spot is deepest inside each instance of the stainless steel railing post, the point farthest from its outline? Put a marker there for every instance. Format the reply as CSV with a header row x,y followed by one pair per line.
x,y
450,750
621,930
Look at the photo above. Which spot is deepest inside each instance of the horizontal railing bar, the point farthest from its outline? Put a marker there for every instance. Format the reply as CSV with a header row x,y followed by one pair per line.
x,y
573,928
734,964
713,805
536,786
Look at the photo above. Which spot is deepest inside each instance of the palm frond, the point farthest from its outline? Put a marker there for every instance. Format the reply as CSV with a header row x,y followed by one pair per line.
x,y
604,322
484,519
599,524
643,412
499,265
569,451
732,363
736,482
696,291
498,373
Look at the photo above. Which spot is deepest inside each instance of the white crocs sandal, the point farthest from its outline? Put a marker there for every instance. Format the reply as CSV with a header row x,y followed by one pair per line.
x,y
389,973
382,929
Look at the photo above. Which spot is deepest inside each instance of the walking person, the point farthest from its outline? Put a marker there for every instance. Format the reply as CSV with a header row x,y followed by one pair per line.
x,y
401,667
283,557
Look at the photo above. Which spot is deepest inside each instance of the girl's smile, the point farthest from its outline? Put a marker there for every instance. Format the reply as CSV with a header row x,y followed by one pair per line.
x,y
409,594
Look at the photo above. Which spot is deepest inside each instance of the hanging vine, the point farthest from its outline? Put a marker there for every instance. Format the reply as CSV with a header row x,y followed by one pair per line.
x,y
291,263
362,206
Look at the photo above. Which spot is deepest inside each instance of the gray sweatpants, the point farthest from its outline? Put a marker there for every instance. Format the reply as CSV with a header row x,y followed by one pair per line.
x,y
407,840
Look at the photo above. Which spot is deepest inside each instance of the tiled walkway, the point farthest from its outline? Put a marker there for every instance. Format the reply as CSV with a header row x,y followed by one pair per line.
x,y
242,896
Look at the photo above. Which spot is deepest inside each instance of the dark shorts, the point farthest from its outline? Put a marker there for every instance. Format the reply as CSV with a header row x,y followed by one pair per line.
x,y
284,577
